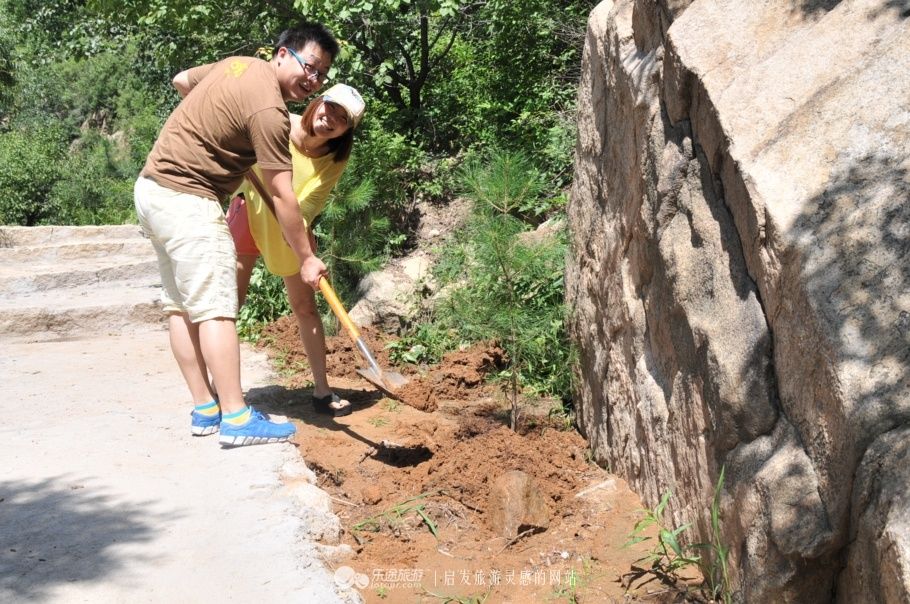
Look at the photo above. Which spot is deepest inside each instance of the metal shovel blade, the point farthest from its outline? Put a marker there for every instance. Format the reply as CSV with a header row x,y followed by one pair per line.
x,y
387,381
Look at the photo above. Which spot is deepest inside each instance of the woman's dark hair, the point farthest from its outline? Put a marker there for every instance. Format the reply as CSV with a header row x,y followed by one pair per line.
x,y
340,146
296,38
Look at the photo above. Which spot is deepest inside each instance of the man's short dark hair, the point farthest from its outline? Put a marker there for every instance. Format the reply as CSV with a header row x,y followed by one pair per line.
x,y
296,38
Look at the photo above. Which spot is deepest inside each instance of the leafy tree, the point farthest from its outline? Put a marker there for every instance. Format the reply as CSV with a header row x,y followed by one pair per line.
x,y
29,170
7,77
461,74
177,34
528,55
395,46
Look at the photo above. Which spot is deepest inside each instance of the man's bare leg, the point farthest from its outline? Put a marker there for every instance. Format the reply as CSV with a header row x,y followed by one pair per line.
x,y
184,337
220,348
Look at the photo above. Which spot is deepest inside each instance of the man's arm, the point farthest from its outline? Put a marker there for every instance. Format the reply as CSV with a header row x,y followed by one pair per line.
x,y
287,211
187,79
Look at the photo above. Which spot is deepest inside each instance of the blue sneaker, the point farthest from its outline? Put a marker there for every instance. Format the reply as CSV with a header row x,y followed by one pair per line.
x,y
257,431
201,425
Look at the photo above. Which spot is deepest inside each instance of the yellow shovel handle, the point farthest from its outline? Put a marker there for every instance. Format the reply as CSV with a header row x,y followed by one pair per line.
x,y
337,308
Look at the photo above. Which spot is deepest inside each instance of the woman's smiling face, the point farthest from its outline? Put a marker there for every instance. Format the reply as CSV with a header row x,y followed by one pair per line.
x,y
330,120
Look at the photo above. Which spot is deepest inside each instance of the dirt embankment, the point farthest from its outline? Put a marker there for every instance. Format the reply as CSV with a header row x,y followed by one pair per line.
x,y
412,483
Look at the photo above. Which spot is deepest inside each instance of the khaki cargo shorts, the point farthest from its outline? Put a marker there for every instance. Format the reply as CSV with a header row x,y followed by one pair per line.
x,y
195,250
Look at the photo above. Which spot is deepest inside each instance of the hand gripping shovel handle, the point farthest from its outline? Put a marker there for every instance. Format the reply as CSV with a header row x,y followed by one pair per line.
x,y
338,308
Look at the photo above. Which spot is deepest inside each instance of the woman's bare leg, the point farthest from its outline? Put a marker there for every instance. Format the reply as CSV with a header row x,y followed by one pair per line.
x,y
303,303
245,266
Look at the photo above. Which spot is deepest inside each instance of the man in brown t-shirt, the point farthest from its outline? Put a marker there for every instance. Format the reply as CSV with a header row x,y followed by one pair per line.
x,y
233,115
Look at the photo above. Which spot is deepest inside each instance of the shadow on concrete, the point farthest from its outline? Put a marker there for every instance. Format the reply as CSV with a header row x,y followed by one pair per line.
x,y
817,7
58,531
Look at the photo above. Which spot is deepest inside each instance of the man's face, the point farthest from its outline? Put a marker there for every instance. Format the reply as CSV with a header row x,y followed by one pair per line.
x,y
301,73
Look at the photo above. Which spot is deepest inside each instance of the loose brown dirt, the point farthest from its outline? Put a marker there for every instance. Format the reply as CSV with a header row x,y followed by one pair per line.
x,y
411,484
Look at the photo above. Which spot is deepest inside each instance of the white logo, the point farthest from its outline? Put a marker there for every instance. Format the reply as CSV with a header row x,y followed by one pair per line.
x,y
345,577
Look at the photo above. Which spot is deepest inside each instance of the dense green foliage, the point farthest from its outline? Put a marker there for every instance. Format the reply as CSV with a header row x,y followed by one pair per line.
x,y
29,169
266,301
85,87
441,78
77,119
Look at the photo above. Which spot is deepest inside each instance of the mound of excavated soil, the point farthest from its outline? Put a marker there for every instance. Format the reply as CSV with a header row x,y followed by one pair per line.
x,y
395,472
459,375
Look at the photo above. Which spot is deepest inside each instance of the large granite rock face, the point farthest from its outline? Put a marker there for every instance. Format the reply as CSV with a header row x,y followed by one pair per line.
x,y
740,279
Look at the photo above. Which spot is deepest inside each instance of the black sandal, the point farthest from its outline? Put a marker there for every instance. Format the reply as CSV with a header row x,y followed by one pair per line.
x,y
332,404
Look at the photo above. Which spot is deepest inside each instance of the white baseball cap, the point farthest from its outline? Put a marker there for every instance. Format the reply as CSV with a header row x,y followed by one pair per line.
x,y
347,97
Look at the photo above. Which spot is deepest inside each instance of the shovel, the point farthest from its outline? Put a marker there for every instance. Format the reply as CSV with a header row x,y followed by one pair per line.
x,y
387,381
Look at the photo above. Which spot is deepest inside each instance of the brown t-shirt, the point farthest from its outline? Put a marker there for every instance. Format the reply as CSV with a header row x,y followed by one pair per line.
x,y
233,117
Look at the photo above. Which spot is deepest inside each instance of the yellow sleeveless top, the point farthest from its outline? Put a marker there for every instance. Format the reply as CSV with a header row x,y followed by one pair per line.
x,y
312,181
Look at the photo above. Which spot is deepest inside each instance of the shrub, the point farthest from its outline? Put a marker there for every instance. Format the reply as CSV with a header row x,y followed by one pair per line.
x,y
266,301
96,183
352,232
30,167
506,283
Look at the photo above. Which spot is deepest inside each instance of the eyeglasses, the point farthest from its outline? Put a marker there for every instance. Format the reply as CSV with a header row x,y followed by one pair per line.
x,y
308,70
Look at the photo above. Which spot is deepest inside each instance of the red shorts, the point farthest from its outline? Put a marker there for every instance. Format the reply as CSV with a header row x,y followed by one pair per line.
x,y
240,228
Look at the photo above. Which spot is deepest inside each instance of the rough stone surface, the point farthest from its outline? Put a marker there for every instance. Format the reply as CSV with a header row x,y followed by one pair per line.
x,y
516,505
390,297
308,495
878,566
297,470
102,279
740,229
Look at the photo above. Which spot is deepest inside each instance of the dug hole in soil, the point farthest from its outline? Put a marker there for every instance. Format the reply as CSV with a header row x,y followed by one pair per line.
x,y
411,483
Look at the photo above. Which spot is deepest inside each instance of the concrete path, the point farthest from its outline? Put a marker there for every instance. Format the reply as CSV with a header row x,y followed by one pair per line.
x,y
104,495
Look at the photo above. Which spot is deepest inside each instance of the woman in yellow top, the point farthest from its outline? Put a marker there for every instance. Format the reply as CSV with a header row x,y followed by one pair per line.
x,y
321,141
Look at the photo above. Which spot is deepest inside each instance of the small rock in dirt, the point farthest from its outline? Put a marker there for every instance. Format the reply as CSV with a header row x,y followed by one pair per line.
x,y
321,526
311,496
371,495
335,554
600,497
516,505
